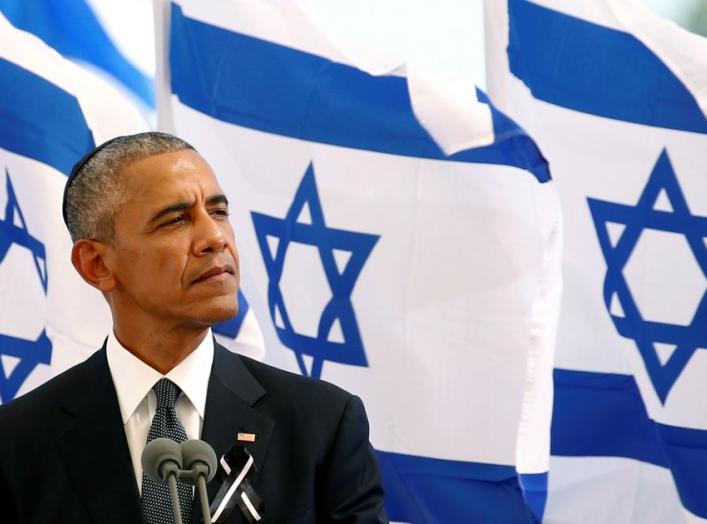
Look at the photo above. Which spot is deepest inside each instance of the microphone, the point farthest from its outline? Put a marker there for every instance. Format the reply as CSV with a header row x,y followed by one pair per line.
x,y
162,462
200,465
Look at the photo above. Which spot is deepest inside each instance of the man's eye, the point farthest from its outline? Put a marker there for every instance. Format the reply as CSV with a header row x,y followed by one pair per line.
x,y
174,220
221,212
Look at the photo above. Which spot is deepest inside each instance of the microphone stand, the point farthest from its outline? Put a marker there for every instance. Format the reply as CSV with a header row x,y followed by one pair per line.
x,y
176,508
203,498
197,477
201,461
162,461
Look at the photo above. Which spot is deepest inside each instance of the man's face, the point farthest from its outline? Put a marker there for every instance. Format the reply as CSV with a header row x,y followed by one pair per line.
x,y
173,256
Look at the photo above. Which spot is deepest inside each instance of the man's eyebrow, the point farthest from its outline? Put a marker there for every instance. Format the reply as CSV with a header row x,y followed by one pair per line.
x,y
182,206
174,208
217,199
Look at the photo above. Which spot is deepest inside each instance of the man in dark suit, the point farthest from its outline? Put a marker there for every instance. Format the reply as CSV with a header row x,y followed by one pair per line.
x,y
150,228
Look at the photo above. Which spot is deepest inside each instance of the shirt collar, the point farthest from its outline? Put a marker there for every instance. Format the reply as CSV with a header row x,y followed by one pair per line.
x,y
133,379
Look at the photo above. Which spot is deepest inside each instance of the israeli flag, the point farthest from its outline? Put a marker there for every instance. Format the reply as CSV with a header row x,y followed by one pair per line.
x,y
51,113
84,31
616,98
377,254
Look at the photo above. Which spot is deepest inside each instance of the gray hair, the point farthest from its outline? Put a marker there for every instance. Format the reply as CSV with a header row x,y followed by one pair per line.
x,y
95,193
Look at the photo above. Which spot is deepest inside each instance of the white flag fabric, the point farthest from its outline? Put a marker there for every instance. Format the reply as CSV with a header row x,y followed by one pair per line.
x,y
616,98
51,113
426,283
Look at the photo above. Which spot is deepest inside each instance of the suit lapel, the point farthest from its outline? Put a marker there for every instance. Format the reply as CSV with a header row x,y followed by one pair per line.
x,y
95,450
229,410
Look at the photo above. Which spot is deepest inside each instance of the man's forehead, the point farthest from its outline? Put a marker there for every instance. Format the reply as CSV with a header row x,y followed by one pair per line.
x,y
166,174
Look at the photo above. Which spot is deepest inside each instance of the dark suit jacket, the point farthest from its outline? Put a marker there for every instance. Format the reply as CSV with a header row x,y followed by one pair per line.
x,y
64,456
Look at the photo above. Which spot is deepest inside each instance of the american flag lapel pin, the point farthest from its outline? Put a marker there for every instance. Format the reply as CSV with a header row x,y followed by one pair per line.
x,y
245,437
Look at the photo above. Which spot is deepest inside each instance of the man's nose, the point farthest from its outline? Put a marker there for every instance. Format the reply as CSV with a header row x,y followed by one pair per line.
x,y
209,236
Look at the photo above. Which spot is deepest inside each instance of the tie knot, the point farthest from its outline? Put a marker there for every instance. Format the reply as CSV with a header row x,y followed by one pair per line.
x,y
167,393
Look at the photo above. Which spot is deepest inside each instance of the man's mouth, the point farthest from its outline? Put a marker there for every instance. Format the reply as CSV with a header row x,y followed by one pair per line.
x,y
223,271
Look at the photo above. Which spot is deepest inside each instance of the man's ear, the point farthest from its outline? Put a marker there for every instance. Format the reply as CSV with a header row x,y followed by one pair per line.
x,y
89,259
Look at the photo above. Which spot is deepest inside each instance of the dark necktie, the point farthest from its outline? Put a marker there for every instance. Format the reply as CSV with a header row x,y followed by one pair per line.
x,y
156,501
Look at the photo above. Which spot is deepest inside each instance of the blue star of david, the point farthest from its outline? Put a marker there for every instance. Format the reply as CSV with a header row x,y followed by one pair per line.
x,y
340,308
13,230
645,334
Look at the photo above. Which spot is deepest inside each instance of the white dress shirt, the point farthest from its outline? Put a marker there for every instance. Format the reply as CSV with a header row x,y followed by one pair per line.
x,y
133,381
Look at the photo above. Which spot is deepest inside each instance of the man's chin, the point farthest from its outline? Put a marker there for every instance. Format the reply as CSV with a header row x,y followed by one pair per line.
x,y
215,314
207,312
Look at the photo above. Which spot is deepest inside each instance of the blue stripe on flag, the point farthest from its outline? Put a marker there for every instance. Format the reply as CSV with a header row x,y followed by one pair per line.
x,y
426,490
71,27
39,120
687,456
602,414
535,492
590,68
260,85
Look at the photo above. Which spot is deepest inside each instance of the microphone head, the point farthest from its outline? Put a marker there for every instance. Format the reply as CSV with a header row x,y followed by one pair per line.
x,y
197,454
160,457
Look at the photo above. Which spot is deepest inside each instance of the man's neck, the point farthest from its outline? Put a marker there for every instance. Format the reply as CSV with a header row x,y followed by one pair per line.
x,y
161,349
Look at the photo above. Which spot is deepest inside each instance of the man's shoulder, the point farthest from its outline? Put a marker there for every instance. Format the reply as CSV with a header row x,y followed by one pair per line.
x,y
286,382
302,405
293,389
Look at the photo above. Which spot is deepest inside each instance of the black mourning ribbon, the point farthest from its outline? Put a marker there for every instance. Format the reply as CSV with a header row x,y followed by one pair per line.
x,y
236,471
